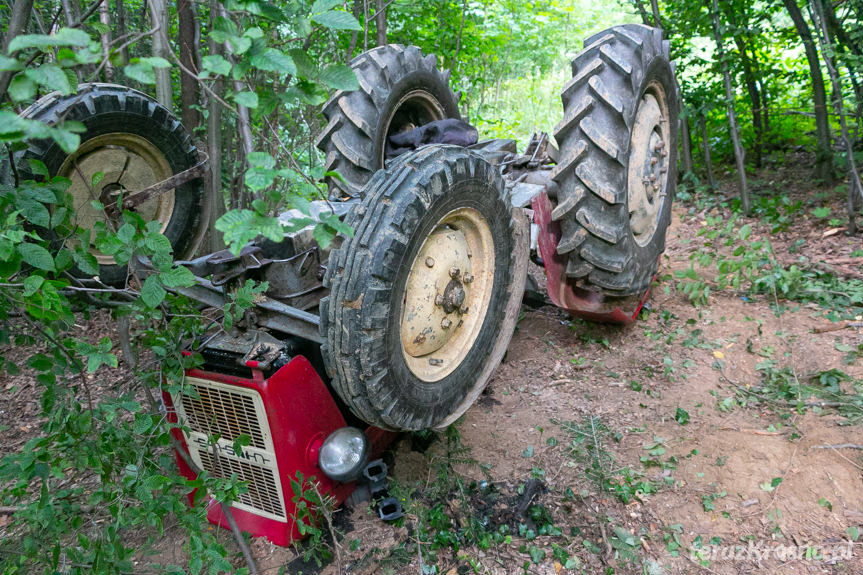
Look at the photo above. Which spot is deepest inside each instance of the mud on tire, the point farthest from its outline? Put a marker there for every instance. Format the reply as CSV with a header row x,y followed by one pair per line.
x,y
115,116
378,290
613,227
398,86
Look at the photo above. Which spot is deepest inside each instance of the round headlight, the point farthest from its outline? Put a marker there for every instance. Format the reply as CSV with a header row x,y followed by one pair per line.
x,y
344,454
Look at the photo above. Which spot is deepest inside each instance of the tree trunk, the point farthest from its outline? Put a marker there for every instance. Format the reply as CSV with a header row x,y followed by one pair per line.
x,y
754,97
739,154
657,21
685,141
455,61
121,29
352,45
381,21
705,145
105,19
159,18
187,34
645,18
824,152
244,122
855,188
215,241
17,25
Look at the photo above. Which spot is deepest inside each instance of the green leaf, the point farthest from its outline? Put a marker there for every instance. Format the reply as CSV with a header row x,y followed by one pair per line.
x,y
178,277
216,64
340,77
67,140
86,262
36,256
247,99
8,64
143,423
31,284
142,69
152,292
241,44
527,452
681,416
745,231
261,160
51,77
272,60
853,532
324,5
63,37
22,88
337,20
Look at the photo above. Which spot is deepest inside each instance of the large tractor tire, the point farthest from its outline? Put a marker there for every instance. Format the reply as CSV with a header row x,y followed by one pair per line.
x,y
135,143
618,160
424,297
400,88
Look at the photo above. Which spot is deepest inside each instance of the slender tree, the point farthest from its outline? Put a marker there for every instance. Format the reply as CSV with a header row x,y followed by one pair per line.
x,y
161,48
855,189
823,153
188,27
733,126
17,25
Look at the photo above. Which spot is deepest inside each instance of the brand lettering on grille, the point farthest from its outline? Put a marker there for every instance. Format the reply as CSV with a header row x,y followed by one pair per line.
x,y
228,451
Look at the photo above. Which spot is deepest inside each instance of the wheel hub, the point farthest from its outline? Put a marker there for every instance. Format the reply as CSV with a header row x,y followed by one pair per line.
x,y
648,164
452,274
127,163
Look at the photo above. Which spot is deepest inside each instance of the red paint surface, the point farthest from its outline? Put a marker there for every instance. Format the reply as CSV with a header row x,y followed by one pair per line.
x,y
590,305
301,412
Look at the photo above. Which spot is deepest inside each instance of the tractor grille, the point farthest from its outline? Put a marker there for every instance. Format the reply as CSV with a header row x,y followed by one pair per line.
x,y
262,494
223,412
228,411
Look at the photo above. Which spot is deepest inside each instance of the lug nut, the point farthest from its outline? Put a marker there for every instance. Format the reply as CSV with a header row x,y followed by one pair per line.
x,y
653,160
438,300
430,262
454,272
652,177
468,278
446,323
463,309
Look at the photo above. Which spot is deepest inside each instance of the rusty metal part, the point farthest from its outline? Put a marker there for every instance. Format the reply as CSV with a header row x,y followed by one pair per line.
x,y
137,198
251,345
270,314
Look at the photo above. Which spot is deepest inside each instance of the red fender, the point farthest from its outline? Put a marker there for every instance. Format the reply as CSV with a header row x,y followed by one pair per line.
x,y
590,305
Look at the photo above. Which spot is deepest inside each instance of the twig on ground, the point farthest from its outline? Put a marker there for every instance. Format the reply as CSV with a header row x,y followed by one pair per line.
x,y
839,446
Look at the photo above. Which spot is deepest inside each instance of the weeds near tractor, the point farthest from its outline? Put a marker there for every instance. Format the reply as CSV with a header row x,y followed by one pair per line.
x,y
588,449
314,517
751,267
818,391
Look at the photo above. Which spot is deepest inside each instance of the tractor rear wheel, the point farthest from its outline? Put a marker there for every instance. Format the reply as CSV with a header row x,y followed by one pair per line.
x,y
400,88
618,160
424,297
133,142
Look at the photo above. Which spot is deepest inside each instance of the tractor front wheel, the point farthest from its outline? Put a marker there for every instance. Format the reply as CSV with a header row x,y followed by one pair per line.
x,y
423,298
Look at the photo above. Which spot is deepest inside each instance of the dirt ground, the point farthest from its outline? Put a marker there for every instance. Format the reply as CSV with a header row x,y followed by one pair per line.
x,y
753,488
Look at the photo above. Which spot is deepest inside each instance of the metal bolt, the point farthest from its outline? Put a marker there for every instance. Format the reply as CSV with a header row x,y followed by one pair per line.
x,y
664,153
463,309
434,361
438,300
652,177
454,272
468,278
430,262
445,323
663,169
653,160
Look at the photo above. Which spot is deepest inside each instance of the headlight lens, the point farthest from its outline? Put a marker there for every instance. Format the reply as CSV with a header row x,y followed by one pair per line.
x,y
344,454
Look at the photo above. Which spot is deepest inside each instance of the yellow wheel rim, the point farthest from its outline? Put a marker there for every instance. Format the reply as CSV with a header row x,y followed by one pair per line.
x,y
129,164
447,294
